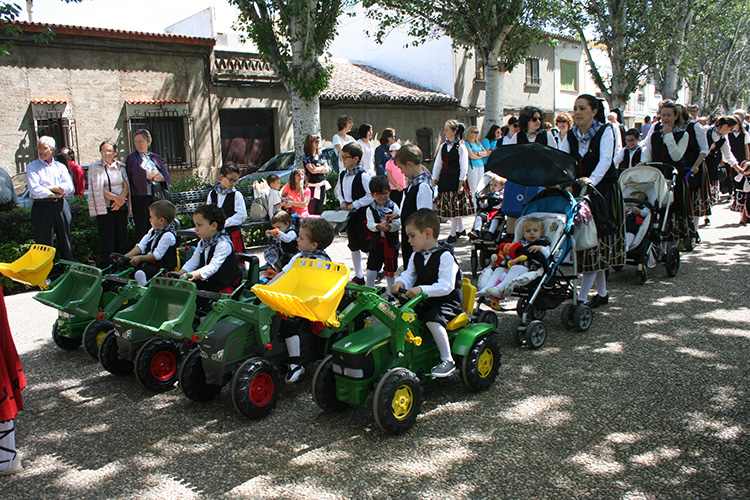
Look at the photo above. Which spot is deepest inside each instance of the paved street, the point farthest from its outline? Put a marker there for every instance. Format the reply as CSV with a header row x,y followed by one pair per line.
x,y
650,403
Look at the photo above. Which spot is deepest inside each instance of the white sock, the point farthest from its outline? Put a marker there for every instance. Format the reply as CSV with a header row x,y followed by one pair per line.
x,y
454,225
587,280
371,277
696,221
477,223
494,223
441,339
601,283
357,263
459,224
140,277
7,444
390,280
292,346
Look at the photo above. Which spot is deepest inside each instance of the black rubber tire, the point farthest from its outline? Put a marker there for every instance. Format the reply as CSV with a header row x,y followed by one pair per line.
x,y
672,261
192,378
643,276
536,334
534,313
156,364
255,388
583,316
480,366
689,244
397,385
566,316
93,335
474,263
109,358
64,343
324,387
484,258
490,318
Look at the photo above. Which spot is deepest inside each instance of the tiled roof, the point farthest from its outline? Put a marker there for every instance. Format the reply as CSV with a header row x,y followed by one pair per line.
x,y
358,82
49,101
110,33
156,101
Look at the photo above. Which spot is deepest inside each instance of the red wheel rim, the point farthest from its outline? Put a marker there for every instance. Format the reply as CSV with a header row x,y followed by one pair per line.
x,y
164,365
261,389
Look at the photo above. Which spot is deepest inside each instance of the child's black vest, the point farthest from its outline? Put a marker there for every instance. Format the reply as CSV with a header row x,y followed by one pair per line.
x,y
427,274
228,273
291,247
625,163
449,174
409,206
390,236
357,190
541,138
714,156
587,163
227,207
169,260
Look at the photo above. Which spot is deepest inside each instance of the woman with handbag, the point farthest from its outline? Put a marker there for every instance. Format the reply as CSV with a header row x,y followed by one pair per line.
x,y
719,153
695,169
592,143
108,201
148,178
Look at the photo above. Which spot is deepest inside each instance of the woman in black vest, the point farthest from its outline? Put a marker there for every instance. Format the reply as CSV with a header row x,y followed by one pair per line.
x,y
670,143
719,152
592,143
530,130
449,173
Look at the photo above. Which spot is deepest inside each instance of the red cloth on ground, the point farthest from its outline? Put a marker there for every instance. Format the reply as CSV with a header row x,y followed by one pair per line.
x,y
12,379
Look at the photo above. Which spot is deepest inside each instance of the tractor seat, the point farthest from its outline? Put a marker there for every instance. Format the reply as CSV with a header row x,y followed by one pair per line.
x,y
469,292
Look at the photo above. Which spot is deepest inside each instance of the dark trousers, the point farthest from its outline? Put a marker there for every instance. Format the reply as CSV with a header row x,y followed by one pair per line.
x,y
50,217
113,231
315,207
406,249
139,205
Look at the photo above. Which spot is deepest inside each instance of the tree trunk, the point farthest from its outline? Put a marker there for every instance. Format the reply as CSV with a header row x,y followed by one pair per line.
x,y
305,120
494,90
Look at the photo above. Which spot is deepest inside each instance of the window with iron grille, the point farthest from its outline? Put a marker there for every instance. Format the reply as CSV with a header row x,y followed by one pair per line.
x,y
532,71
171,129
54,120
424,141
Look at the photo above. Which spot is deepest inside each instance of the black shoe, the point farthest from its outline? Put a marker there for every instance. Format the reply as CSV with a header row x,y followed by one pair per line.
x,y
707,221
358,281
473,235
462,233
452,239
597,301
488,236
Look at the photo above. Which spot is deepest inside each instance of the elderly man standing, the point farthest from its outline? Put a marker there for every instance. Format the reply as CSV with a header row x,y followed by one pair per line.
x,y
49,181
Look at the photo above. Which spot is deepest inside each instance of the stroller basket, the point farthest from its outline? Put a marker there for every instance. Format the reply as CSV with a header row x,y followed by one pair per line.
x,y
167,306
78,291
311,289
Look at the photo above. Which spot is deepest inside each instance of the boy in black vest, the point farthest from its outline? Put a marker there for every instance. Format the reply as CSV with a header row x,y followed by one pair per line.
x,y
384,223
213,266
630,155
354,194
283,241
226,197
314,237
158,248
432,270
418,193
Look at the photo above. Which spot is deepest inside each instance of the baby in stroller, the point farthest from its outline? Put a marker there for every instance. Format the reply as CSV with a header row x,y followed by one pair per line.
x,y
489,210
635,215
529,254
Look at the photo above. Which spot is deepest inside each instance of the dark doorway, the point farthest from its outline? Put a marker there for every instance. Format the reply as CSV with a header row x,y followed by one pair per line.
x,y
247,138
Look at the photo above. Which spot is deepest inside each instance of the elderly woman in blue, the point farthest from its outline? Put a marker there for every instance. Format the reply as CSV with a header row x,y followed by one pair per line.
x,y
49,182
143,167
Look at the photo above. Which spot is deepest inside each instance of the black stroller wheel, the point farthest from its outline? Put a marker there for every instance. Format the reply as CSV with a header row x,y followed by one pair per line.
x,y
534,312
643,275
583,316
474,262
535,334
566,317
490,318
672,262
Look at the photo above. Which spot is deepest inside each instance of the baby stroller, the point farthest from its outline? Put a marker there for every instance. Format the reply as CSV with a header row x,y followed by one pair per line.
x,y
647,248
547,287
483,248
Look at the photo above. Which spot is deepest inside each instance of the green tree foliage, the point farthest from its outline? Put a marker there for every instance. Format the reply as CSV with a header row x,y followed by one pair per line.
x,y
500,32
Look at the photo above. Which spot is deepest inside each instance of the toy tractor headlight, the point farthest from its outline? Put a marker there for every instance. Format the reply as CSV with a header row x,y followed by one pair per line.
x,y
204,354
63,314
218,355
337,369
127,334
354,372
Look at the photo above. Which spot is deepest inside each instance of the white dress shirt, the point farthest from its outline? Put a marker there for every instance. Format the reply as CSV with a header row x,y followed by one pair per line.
x,y
223,249
40,176
446,282
606,153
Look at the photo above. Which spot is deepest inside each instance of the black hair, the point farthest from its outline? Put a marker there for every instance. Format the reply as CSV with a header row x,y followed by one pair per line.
x,y
110,142
425,218
212,213
633,132
380,184
363,129
491,132
525,116
164,209
597,105
229,168
354,150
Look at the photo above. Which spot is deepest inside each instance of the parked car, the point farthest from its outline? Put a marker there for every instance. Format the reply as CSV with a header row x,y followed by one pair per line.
x,y
283,163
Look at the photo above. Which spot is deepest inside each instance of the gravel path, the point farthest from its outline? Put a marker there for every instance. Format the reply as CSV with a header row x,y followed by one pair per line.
x,y
651,402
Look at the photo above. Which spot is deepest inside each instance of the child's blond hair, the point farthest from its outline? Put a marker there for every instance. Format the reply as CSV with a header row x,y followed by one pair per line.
x,y
532,220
